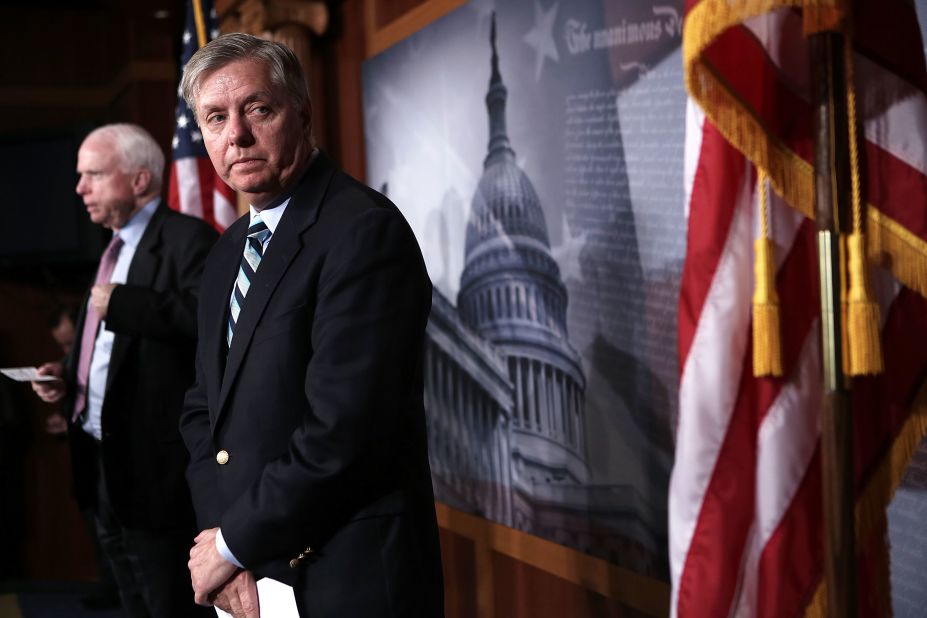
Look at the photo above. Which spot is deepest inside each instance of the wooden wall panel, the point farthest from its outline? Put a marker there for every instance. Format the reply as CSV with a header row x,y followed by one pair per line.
x,y
347,112
524,591
389,11
382,33
458,556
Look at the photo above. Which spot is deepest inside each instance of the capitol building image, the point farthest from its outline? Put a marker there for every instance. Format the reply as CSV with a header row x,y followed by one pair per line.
x,y
504,388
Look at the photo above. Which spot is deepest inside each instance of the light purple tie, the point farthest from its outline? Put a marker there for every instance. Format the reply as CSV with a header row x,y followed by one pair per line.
x,y
91,324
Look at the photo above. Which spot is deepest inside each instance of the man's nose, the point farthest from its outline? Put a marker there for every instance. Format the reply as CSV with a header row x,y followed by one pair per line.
x,y
239,132
81,187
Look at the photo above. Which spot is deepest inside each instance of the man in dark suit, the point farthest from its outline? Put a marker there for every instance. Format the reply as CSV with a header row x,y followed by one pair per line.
x,y
126,375
306,426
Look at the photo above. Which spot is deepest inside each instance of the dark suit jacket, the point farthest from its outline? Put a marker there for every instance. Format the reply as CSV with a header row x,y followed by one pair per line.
x,y
318,404
153,317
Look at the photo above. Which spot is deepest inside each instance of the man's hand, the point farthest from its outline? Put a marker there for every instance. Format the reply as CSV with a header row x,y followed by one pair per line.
x,y
239,596
51,391
99,298
208,569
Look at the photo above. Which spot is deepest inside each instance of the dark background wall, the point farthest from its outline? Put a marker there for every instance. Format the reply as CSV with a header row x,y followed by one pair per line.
x,y
67,67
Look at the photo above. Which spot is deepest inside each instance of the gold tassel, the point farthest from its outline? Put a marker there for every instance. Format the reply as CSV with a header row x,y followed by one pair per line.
x,y
863,321
862,316
767,349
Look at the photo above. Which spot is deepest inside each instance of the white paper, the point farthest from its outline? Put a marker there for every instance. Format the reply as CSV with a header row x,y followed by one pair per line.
x,y
275,599
26,374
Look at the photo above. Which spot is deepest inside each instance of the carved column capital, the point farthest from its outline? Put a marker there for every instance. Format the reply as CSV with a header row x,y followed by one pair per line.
x,y
262,17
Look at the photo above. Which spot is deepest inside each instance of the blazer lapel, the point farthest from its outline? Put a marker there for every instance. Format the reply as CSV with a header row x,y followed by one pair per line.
x,y
217,290
142,271
285,244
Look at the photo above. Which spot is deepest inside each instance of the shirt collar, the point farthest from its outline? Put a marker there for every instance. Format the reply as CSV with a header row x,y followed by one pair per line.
x,y
131,233
270,216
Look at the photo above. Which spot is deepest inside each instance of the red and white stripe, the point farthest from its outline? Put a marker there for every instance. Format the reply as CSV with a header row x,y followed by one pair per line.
x,y
745,518
196,190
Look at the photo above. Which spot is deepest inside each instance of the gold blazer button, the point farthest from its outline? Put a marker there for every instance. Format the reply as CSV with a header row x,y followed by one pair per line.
x,y
222,457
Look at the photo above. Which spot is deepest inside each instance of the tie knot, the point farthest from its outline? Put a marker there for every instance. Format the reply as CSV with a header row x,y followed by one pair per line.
x,y
115,244
258,230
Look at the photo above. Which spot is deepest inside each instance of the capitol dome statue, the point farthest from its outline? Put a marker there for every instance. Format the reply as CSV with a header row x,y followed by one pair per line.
x,y
512,295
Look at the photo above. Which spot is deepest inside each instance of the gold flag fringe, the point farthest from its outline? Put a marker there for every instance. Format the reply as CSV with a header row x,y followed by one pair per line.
x,y
893,247
881,487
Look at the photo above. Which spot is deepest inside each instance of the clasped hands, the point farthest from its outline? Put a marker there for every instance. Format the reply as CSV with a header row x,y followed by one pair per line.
x,y
216,581
99,298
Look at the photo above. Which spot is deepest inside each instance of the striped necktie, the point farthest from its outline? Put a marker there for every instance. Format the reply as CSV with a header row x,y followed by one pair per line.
x,y
250,260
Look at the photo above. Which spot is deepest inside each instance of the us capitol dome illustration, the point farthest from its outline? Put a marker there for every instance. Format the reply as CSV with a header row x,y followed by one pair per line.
x,y
504,388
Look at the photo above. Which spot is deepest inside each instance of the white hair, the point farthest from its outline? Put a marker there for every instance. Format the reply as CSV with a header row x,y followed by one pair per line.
x,y
135,148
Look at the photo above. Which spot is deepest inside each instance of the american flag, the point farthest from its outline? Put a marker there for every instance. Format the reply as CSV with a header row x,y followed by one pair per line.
x,y
746,522
195,189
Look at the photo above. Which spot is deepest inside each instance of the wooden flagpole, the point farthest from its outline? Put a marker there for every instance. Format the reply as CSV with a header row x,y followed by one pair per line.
x,y
832,212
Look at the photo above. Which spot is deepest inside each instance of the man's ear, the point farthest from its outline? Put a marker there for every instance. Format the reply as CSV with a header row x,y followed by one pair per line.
x,y
141,181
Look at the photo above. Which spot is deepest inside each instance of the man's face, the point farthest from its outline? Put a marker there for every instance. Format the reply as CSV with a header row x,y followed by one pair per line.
x,y
255,135
106,189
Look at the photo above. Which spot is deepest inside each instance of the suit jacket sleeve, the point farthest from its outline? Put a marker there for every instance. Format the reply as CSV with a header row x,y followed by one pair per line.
x,y
138,310
366,338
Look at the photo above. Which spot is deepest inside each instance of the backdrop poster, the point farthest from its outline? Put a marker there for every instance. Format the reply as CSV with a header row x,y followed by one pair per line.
x,y
536,148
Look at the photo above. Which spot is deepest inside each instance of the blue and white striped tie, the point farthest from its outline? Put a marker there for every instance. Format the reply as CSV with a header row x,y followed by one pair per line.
x,y
250,260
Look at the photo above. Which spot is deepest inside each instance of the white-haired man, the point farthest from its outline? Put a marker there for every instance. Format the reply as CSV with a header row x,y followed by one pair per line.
x,y
125,377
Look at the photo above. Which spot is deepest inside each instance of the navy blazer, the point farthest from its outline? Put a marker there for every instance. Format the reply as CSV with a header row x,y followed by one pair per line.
x,y
153,317
318,404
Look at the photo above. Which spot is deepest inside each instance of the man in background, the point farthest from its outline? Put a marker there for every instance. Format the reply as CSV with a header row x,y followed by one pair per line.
x,y
105,595
132,360
306,424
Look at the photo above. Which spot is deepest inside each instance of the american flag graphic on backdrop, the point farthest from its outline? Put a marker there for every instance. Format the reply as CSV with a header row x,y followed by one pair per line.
x,y
195,188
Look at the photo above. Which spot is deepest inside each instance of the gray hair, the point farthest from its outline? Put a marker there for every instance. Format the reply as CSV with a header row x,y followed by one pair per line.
x,y
135,148
282,63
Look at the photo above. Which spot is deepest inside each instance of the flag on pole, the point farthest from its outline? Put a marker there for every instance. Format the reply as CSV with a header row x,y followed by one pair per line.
x,y
746,521
195,188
